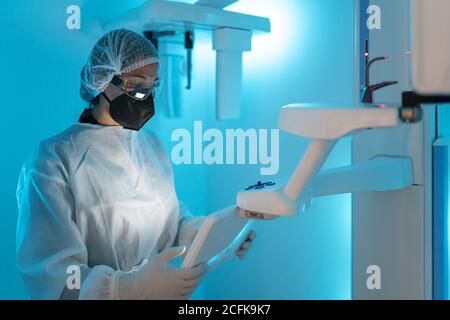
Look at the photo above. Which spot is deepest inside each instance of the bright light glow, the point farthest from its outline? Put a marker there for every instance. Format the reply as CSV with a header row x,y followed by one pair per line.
x,y
285,31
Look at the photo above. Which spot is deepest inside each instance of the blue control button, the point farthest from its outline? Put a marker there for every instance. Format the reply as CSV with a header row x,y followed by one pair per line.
x,y
260,185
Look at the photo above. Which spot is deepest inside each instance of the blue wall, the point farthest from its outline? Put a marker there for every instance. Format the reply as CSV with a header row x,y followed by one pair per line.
x,y
307,58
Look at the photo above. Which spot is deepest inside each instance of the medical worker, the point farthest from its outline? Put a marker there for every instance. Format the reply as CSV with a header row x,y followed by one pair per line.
x,y
98,199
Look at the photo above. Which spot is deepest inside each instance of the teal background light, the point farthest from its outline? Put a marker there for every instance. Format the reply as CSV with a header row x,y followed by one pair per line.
x,y
444,133
308,57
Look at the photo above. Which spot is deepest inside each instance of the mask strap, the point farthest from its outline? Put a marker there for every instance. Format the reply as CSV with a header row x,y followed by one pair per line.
x,y
106,97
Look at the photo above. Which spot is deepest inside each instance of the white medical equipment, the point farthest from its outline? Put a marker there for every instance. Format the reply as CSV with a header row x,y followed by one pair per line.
x,y
218,239
325,125
172,23
431,47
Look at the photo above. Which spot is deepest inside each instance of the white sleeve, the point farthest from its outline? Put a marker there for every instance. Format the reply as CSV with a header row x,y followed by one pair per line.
x,y
49,244
188,224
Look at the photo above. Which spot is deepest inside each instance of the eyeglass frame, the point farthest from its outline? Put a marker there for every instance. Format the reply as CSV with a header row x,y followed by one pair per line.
x,y
119,83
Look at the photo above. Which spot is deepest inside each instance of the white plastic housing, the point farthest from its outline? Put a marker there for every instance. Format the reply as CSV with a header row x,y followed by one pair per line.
x,y
379,174
324,122
431,47
232,34
229,45
172,59
157,13
271,201
325,125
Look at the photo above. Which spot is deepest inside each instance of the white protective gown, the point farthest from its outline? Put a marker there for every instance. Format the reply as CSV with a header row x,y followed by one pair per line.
x,y
98,197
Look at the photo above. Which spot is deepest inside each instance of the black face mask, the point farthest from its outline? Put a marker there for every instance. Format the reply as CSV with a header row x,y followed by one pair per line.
x,y
131,113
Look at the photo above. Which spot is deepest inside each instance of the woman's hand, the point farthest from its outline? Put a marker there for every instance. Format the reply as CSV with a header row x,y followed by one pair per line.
x,y
245,246
159,280
189,229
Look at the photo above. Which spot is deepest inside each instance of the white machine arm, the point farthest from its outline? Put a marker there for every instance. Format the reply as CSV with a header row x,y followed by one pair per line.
x,y
325,125
310,164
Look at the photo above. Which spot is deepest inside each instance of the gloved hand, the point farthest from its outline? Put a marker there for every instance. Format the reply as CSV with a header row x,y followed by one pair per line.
x,y
158,280
189,229
243,249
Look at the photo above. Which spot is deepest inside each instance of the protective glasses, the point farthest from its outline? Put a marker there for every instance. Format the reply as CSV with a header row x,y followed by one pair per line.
x,y
136,87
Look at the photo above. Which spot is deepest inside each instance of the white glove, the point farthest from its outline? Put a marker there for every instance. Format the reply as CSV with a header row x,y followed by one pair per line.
x,y
245,246
158,280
